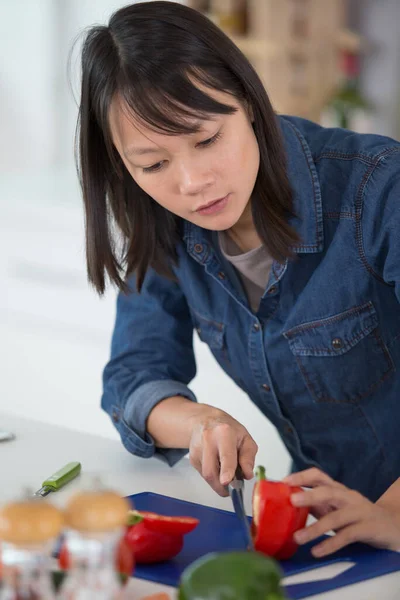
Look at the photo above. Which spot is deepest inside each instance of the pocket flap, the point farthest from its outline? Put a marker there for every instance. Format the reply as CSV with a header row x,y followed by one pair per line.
x,y
210,332
334,335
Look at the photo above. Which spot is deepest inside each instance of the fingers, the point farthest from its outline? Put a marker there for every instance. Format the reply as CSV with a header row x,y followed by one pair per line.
x,y
207,464
359,521
376,529
228,454
210,468
352,533
214,455
334,521
234,451
310,478
335,497
247,456
217,448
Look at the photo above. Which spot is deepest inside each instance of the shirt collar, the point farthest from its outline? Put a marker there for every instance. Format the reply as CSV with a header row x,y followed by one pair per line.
x,y
307,205
303,177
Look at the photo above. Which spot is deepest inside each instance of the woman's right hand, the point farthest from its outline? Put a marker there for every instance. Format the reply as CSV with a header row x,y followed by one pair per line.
x,y
218,443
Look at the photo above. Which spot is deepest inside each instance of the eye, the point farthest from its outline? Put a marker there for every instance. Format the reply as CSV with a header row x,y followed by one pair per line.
x,y
210,140
154,168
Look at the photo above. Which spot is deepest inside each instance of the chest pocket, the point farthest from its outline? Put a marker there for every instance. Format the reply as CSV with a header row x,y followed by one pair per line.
x,y
212,333
341,358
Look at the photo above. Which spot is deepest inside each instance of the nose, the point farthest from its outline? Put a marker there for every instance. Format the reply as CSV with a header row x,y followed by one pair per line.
x,y
193,179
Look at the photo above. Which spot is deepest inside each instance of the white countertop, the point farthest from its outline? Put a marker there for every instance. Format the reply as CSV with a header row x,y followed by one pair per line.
x,y
41,449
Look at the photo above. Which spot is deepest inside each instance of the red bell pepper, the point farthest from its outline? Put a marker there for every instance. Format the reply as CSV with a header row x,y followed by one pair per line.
x,y
275,519
164,524
156,538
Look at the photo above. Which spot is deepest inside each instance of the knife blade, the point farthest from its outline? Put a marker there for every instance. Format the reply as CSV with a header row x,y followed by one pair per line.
x,y
235,488
59,479
6,436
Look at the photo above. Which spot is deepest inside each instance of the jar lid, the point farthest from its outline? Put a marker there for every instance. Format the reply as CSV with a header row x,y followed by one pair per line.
x,y
95,511
30,521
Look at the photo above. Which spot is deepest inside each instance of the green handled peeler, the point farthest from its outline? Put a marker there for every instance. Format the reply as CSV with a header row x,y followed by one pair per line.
x,y
59,479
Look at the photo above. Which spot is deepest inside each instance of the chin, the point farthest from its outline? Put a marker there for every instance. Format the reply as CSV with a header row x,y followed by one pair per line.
x,y
220,222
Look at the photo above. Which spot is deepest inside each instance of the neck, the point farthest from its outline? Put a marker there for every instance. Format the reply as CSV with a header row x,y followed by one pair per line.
x,y
244,233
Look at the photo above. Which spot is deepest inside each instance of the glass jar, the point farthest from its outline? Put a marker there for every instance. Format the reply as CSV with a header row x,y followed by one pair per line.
x,y
95,521
28,530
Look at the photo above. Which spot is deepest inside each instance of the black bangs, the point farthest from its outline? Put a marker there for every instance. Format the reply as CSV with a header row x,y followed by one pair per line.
x,y
173,104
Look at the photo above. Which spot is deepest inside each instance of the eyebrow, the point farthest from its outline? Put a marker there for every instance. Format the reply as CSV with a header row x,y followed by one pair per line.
x,y
140,151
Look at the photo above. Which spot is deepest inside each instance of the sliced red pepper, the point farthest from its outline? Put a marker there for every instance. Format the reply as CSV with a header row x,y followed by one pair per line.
x,y
275,519
165,524
151,546
290,546
156,538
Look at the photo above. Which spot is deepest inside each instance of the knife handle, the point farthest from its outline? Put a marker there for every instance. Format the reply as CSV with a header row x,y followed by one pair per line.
x,y
63,476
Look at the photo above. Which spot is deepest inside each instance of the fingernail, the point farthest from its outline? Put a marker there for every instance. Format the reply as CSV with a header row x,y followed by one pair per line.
x,y
287,479
297,499
225,478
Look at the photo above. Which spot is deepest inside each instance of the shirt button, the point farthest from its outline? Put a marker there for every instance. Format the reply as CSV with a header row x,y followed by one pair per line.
x,y
198,248
256,327
266,387
288,429
221,275
337,343
272,290
115,416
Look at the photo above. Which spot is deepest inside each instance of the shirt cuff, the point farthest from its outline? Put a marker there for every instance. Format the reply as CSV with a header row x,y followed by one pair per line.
x,y
138,408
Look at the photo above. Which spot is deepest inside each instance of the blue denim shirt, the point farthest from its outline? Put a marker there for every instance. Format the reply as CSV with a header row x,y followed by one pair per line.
x,y
321,357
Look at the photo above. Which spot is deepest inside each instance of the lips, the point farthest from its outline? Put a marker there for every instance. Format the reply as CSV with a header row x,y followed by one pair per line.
x,y
214,207
209,204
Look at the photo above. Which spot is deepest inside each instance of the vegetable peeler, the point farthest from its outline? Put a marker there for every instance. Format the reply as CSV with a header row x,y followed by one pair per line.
x,y
59,479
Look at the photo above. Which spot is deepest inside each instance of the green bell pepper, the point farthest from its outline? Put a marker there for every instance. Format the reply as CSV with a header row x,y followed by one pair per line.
x,y
232,576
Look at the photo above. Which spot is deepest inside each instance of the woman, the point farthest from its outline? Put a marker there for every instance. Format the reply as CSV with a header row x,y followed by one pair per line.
x,y
273,237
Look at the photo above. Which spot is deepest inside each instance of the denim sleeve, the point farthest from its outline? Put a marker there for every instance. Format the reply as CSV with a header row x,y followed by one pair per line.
x,y
380,220
151,359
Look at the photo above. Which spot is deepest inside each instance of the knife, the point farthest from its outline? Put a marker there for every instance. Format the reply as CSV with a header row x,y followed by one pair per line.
x,y
59,479
6,436
235,488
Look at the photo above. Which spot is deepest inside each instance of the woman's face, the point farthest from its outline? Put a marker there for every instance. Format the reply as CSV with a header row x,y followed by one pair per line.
x,y
205,177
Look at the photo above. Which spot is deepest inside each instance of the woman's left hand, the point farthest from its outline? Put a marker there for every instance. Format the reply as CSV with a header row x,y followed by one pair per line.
x,y
353,517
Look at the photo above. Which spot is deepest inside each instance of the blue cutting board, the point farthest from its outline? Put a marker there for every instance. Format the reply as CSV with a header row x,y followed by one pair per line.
x,y
220,531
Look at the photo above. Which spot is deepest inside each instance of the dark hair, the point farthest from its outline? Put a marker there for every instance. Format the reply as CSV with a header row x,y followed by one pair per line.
x,y
152,54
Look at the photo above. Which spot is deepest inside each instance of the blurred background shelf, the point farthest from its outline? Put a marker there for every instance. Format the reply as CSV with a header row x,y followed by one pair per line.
x,y
295,46
260,48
